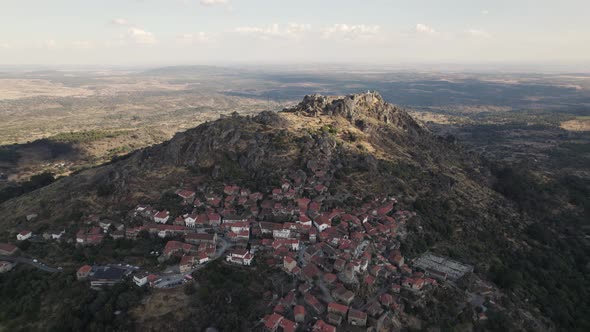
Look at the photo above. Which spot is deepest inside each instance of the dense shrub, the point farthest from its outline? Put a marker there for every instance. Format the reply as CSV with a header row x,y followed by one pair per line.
x,y
36,182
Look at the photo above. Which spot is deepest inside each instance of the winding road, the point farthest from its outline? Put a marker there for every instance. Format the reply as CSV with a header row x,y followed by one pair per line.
x,y
29,261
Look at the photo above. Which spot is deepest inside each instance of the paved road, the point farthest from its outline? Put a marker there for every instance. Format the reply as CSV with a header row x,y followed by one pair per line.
x,y
224,246
327,297
169,281
29,261
176,279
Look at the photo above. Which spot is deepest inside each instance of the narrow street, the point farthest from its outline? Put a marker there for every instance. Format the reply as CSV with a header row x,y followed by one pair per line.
x,y
174,279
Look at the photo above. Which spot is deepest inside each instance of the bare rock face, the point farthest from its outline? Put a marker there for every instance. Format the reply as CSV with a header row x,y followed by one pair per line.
x,y
357,108
272,119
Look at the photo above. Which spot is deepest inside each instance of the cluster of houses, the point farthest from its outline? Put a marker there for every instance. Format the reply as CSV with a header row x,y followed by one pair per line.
x,y
346,259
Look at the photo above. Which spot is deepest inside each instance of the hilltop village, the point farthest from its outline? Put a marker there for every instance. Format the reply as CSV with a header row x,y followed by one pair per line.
x,y
345,261
297,228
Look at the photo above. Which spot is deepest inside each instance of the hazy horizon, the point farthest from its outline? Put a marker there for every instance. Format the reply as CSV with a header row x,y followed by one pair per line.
x,y
151,33
482,68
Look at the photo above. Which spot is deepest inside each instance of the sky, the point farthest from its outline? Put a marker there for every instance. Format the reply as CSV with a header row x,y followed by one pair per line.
x,y
168,32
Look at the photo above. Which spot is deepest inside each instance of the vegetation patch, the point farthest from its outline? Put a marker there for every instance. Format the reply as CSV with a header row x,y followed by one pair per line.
x,y
77,137
34,300
36,182
219,303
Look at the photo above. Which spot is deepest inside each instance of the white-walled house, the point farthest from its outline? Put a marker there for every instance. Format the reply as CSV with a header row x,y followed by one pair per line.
x,y
23,235
141,279
190,220
281,233
162,217
240,256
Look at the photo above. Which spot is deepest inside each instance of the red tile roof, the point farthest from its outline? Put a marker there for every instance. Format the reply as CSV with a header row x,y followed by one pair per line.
x,y
172,246
311,271
357,314
337,307
185,193
199,236
321,326
279,308
187,260
386,299
85,269
330,278
272,321
299,310
288,325
214,217
162,214
312,301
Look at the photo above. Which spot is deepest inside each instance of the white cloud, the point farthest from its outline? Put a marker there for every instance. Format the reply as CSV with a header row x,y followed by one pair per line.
x,y
193,38
292,30
351,31
133,33
120,21
141,36
485,12
210,3
477,33
425,29
266,31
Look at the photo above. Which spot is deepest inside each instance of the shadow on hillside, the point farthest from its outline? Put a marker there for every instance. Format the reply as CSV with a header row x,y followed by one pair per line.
x,y
37,151
32,156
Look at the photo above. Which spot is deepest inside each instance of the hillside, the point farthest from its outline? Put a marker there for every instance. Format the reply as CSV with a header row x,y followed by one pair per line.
x,y
361,148
360,141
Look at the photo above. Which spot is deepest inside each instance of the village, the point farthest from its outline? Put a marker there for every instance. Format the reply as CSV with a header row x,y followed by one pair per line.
x,y
345,261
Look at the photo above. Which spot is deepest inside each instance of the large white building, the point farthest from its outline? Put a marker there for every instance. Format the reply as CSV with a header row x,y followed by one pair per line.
x,y
240,256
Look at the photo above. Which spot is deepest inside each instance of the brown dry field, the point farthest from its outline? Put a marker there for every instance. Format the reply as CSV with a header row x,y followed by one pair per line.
x,y
576,125
25,88
159,303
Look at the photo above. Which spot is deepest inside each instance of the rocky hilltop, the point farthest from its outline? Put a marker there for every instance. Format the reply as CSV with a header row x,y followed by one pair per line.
x,y
358,107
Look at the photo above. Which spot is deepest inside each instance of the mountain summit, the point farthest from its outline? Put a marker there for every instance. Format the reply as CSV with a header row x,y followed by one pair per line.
x,y
357,108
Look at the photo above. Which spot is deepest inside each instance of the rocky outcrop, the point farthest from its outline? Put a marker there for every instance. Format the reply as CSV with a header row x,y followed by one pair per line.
x,y
357,108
